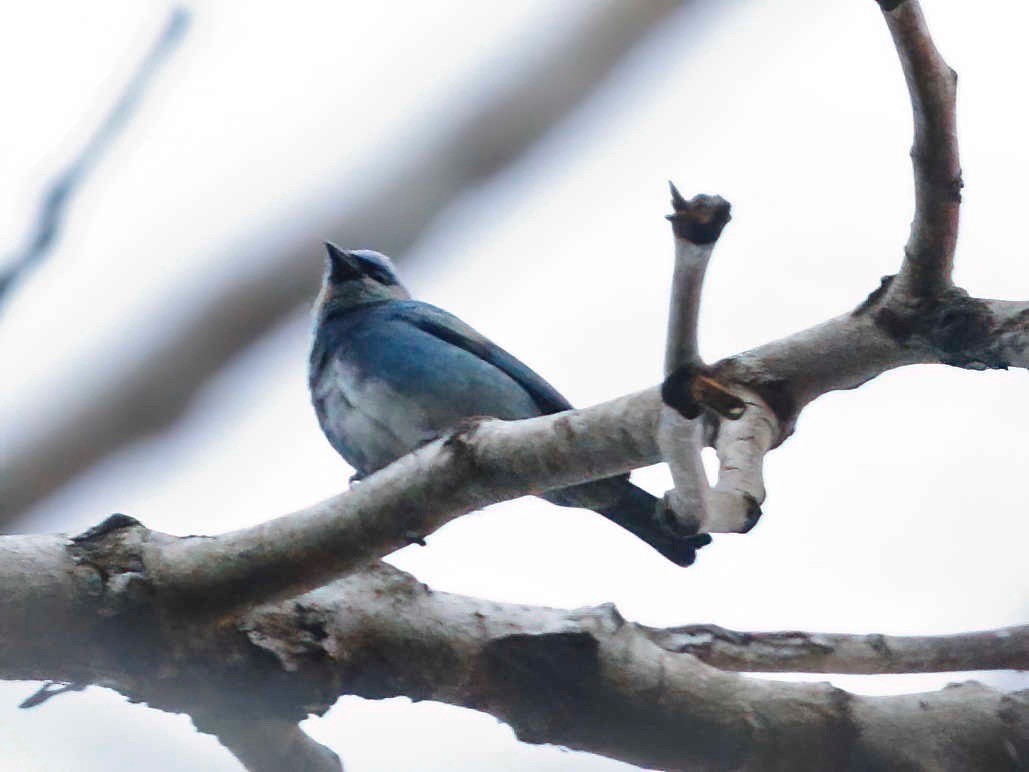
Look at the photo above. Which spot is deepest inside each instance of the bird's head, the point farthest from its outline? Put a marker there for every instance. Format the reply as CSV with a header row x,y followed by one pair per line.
x,y
356,277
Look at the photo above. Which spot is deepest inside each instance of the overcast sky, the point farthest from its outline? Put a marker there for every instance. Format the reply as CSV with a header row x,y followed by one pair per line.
x,y
894,509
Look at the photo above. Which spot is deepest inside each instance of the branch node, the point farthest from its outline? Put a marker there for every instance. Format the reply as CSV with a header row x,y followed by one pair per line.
x,y
874,296
689,389
108,525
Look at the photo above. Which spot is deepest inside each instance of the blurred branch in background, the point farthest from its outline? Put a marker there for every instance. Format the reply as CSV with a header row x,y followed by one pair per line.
x,y
59,192
148,394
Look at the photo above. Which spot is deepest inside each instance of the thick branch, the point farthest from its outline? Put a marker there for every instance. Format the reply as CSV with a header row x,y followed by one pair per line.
x,y
480,464
586,679
841,353
148,394
590,680
495,460
932,85
498,460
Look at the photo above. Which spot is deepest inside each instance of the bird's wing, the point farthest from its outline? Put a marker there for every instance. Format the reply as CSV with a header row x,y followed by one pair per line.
x,y
452,330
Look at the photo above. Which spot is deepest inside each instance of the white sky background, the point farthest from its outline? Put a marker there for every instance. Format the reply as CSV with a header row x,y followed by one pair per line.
x,y
896,508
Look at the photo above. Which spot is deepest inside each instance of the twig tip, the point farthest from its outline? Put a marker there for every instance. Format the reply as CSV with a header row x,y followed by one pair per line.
x,y
678,202
701,219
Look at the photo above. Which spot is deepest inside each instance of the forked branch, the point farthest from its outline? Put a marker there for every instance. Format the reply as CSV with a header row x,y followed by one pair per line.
x,y
915,317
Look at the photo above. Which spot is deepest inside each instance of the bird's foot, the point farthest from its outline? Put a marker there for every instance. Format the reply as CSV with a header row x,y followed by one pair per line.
x,y
685,551
684,536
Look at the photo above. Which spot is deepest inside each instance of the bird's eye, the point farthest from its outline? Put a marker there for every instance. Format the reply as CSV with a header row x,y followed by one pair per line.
x,y
378,273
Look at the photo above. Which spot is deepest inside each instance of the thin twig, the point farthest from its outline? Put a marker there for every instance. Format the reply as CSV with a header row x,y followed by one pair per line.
x,y
697,224
62,188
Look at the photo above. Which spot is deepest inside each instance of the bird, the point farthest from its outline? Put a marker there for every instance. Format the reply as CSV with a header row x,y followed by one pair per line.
x,y
388,374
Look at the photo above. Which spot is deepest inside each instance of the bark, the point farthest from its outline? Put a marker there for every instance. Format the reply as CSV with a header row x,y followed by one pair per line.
x,y
586,678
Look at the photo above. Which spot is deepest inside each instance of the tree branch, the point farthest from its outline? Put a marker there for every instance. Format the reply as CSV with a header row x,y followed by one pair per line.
x,y
734,504
590,680
696,223
932,86
490,461
481,463
587,678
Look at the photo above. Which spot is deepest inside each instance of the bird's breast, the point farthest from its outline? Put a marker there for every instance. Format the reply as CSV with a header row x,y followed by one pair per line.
x,y
383,389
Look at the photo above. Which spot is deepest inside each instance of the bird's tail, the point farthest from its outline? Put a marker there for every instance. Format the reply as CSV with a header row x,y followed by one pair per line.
x,y
636,511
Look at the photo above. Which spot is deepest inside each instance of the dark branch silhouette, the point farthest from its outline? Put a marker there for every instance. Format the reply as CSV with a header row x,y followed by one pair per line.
x,y
59,193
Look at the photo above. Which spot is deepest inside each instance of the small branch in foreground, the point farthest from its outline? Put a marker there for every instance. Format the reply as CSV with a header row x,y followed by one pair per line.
x,y
60,191
734,503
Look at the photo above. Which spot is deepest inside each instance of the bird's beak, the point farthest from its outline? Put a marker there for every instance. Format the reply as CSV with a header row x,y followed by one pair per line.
x,y
343,266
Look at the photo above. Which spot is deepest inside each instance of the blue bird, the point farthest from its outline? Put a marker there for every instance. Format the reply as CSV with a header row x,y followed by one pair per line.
x,y
389,374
